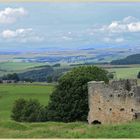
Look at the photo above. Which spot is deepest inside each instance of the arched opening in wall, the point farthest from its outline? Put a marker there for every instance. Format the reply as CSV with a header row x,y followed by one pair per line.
x,y
96,122
122,109
137,116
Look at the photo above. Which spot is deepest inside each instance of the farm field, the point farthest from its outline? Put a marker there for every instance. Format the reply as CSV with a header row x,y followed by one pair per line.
x,y
12,129
130,72
15,67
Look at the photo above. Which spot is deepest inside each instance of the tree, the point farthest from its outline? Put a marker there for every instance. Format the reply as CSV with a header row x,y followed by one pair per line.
x,y
138,76
69,101
28,111
13,76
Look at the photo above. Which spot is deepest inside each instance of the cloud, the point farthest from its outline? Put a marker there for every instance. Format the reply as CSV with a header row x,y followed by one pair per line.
x,y
134,27
8,34
122,31
128,24
21,35
11,15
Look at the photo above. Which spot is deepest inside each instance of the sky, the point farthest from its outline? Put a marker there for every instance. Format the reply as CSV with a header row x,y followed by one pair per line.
x,y
68,25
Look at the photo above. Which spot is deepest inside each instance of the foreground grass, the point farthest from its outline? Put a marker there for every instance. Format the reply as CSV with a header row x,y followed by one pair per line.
x,y
10,92
10,129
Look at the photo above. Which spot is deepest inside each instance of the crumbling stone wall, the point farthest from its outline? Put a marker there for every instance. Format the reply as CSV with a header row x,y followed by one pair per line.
x,y
117,102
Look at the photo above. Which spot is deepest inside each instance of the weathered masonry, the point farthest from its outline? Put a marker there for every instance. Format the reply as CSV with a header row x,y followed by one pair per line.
x,y
116,102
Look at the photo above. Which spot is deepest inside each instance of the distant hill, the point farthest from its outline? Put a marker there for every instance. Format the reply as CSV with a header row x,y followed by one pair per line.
x,y
37,74
131,59
42,73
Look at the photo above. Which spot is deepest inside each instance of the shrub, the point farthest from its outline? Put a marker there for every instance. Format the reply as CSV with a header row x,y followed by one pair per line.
x,y
138,76
28,111
69,101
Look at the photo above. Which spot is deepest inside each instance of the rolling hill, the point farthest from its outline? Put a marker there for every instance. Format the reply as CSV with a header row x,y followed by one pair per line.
x,y
131,59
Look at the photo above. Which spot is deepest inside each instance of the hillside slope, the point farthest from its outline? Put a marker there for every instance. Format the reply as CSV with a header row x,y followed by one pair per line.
x,y
131,59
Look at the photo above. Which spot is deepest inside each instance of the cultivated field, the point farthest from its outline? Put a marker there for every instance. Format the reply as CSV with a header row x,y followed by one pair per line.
x,y
12,129
16,67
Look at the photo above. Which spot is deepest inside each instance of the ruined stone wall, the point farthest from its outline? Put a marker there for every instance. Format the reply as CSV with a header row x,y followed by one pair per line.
x,y
113,103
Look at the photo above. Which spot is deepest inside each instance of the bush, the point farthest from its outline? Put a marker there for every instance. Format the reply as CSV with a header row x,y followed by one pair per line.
x,y
28,111
138,76
69,101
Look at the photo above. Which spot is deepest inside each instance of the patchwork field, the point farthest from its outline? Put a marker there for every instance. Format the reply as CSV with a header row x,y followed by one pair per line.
x,y
12,129
15,67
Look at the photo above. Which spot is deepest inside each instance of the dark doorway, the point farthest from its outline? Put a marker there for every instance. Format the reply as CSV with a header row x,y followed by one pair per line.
x,y
96,122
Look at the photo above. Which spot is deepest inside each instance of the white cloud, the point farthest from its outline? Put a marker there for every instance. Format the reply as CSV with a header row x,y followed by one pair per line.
x,y
128,24
130,19
116,27
134,27
21,35
8,34
11,15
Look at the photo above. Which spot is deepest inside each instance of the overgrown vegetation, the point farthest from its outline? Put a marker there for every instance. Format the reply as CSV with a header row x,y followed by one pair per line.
x,y
138,76
28,111
69,102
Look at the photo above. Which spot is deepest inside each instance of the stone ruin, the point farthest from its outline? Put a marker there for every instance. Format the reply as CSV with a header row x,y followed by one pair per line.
x,y
116,102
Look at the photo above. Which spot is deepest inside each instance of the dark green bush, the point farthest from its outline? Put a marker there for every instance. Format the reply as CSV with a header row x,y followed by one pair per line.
x,y
138,76
69,102
28,111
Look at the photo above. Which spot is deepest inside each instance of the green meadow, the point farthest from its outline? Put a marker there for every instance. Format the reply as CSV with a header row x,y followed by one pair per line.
x,y
11,129
15,67
130,72
10,92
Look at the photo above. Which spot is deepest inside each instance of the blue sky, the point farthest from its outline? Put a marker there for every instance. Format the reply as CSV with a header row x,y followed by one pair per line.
x,y
69,25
